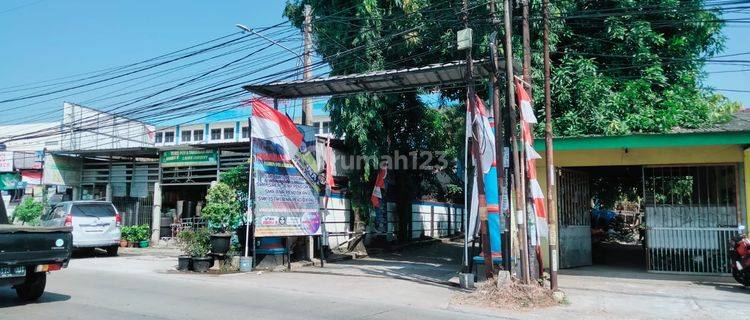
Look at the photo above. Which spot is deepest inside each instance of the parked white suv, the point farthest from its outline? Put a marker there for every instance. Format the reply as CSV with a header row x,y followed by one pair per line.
x,y
96,224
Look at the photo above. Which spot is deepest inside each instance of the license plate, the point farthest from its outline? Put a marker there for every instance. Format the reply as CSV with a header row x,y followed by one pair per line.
x,y
11,272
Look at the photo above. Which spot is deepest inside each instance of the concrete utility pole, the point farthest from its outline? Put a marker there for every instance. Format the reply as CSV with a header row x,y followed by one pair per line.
x,y
156,215
479,171
499,140
551,188
520,204
307,110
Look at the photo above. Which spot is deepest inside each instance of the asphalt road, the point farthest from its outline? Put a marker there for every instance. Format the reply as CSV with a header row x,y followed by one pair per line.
x,y
144,288
141,284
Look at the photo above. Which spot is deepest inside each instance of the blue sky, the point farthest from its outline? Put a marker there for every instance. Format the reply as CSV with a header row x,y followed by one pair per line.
x,y
45,39
736,42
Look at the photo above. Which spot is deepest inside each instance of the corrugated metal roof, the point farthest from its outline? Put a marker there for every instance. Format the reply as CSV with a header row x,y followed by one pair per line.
x,y
739,122
434,75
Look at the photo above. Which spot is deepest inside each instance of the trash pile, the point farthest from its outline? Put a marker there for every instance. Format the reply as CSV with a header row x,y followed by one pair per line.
x,y
513,296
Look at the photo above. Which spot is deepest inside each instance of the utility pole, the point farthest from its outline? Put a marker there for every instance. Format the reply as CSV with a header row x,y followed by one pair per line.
x,y
478,169
551,188
499,140
520,204
535,271
526,71
307,110
307,116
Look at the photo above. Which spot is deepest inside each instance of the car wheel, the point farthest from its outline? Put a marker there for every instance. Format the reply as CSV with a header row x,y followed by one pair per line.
x,y
112,251
33,287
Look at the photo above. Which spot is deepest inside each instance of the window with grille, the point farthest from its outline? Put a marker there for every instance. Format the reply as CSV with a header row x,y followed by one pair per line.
x,y
168,137
215,134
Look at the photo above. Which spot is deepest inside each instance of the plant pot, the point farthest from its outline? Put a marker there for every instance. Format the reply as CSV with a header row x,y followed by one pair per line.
x,y
202,264
124,243
143,244
184,263
220,243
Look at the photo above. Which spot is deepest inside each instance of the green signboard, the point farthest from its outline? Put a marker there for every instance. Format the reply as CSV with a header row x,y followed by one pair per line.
x,y
184,158
11,181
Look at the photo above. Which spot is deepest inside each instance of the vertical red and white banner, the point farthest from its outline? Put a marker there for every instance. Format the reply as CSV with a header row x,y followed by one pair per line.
x,y
378,193
527,138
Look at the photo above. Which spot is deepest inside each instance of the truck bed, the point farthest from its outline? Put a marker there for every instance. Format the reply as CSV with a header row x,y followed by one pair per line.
x,y
10,228
28,246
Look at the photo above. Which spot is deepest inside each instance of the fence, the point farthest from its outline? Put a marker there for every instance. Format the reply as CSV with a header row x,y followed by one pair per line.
x,y
435,219
131,183
691,212
338,217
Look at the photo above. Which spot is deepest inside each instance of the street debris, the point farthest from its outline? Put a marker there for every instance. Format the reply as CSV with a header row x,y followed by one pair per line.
x,y
515,296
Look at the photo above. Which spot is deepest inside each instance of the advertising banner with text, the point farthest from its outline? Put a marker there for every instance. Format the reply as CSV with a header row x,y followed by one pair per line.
x,y
285,204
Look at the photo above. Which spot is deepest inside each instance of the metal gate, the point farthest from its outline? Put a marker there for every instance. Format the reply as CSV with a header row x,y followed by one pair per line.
x,y
691,212
574,209
132,187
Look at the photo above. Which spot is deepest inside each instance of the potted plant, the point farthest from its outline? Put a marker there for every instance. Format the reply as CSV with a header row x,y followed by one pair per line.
x,y
142,233
222,213
185,240
131,235
125,235
199,249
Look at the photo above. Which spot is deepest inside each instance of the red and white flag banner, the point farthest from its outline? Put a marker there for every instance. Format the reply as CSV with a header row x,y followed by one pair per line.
x,y
527,138
377,192
274,126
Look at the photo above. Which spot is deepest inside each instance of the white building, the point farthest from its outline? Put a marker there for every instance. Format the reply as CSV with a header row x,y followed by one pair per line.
x,y
50,140
225,127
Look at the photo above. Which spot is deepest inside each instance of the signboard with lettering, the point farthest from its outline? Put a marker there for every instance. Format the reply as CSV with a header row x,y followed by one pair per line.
x,y
184,158
11,181
6,161
285,204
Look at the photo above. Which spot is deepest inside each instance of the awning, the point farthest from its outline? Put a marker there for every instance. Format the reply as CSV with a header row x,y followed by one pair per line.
x,y
434,75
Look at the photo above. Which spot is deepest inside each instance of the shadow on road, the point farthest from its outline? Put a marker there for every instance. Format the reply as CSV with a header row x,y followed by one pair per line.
x,y
433,263
722,286
89,253
8,298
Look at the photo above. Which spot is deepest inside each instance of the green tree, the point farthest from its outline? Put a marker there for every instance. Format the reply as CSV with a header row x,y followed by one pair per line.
x,y
28,212
619,66
633,66
391,34
222,211
237,178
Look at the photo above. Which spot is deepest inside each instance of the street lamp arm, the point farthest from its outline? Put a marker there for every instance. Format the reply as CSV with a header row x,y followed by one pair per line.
x,y
249,30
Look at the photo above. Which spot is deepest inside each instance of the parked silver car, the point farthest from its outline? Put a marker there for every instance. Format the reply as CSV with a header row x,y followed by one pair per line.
x,y
96,224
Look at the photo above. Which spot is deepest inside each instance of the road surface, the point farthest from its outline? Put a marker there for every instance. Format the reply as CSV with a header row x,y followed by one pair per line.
x,y
143,287
141,284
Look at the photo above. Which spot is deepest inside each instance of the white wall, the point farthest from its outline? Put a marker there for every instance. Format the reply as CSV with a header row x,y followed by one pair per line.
x,y
50,140
89,129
